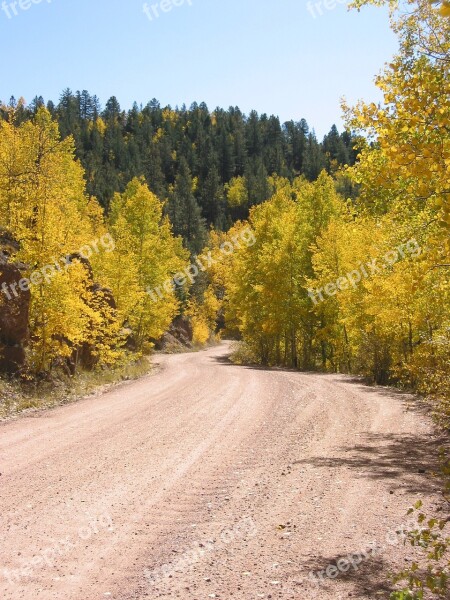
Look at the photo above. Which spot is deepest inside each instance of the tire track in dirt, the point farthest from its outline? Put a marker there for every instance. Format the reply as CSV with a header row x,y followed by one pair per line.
x,y
238,481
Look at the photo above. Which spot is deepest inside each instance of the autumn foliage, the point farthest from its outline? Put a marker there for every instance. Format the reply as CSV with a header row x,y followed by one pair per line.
x,y
95,299
383,258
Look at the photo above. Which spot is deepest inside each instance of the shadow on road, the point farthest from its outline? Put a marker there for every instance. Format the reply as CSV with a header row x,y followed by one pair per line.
x,y
368,578
408,462
225,360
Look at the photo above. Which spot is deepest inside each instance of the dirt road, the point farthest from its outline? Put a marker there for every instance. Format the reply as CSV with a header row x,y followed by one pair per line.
x,y
209,480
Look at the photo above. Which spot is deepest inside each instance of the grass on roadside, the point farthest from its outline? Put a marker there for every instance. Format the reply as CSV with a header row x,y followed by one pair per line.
x,y
17,395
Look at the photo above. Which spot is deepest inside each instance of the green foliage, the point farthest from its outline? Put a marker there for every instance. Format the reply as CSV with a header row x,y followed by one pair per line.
x,y
184,212
45,209
361,284
431,576
170,146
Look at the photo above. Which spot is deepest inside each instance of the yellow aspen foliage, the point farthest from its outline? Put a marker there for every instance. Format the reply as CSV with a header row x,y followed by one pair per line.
x,y
409,169
405,187
266,297
203,316
99,125
145,259
44,207
237,193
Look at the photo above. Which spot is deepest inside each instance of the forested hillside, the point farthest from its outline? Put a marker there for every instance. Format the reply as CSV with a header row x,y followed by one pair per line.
x,y
212,166
122,199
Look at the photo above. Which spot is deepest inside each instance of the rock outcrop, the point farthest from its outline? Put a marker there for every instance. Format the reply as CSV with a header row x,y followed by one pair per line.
x,y
14,308
178,338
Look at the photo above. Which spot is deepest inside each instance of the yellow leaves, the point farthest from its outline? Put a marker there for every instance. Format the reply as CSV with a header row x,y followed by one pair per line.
x,y
200,331
158,135
48,211
203,317
169,116
237,193
405,185
444,9
413,144
43,204
266,296
100,126
423,189
146,258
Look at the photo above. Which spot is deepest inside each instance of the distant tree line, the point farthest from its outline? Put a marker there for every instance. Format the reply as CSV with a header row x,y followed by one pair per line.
x,y
210,166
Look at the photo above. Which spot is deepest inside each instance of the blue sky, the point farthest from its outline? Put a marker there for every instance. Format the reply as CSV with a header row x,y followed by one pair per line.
x,y
270,55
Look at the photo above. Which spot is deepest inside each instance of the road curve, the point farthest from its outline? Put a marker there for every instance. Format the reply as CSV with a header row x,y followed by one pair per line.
x,y
209,480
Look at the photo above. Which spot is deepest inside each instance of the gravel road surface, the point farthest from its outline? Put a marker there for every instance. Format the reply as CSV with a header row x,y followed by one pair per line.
x,y
209,480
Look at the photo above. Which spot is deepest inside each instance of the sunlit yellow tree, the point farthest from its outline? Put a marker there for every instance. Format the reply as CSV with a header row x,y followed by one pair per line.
x,y
266,282
44,206
147,256
406,175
